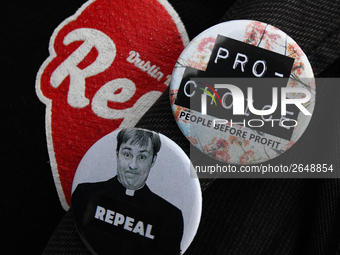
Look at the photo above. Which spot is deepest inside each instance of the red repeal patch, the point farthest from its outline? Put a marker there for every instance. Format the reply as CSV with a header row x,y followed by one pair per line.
x,y
108,63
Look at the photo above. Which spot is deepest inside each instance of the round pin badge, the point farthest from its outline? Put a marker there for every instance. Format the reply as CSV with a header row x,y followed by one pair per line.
x,y
243,92
133,193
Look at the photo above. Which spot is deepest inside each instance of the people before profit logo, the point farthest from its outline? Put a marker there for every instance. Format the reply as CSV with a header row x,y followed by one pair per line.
x,y
271,106
249,82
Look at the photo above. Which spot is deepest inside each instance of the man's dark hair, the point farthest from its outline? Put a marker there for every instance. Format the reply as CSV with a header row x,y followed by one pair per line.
x,y
140,137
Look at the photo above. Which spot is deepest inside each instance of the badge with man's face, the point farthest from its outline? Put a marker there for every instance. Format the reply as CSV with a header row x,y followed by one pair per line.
x,y
133,192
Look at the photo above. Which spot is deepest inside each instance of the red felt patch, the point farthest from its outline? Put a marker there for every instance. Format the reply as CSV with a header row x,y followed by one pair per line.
x,y
105,62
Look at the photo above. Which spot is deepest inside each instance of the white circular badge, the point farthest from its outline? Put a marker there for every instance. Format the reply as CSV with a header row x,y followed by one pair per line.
x,y
243,92
133,193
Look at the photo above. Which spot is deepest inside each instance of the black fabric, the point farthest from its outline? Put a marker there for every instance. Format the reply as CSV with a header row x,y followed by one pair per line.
x,y
239,216
30,209
314,25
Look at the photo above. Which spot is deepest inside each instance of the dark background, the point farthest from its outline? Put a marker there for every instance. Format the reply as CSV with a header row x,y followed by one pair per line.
x,y
29,206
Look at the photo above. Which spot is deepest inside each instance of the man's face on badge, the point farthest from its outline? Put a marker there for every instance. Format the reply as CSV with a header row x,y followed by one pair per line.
x,y
134,163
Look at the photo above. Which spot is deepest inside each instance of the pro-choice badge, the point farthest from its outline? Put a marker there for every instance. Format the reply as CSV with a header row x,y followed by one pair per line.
x,y
243,92
133,194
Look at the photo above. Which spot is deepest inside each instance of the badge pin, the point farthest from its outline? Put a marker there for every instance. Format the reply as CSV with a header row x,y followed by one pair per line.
x,y
133,193
242,92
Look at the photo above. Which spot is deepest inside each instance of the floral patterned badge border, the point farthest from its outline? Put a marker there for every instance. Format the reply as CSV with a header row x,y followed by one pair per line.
x,y
225,146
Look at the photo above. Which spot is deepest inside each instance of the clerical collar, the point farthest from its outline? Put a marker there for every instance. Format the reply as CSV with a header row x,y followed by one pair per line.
x,y
130,192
